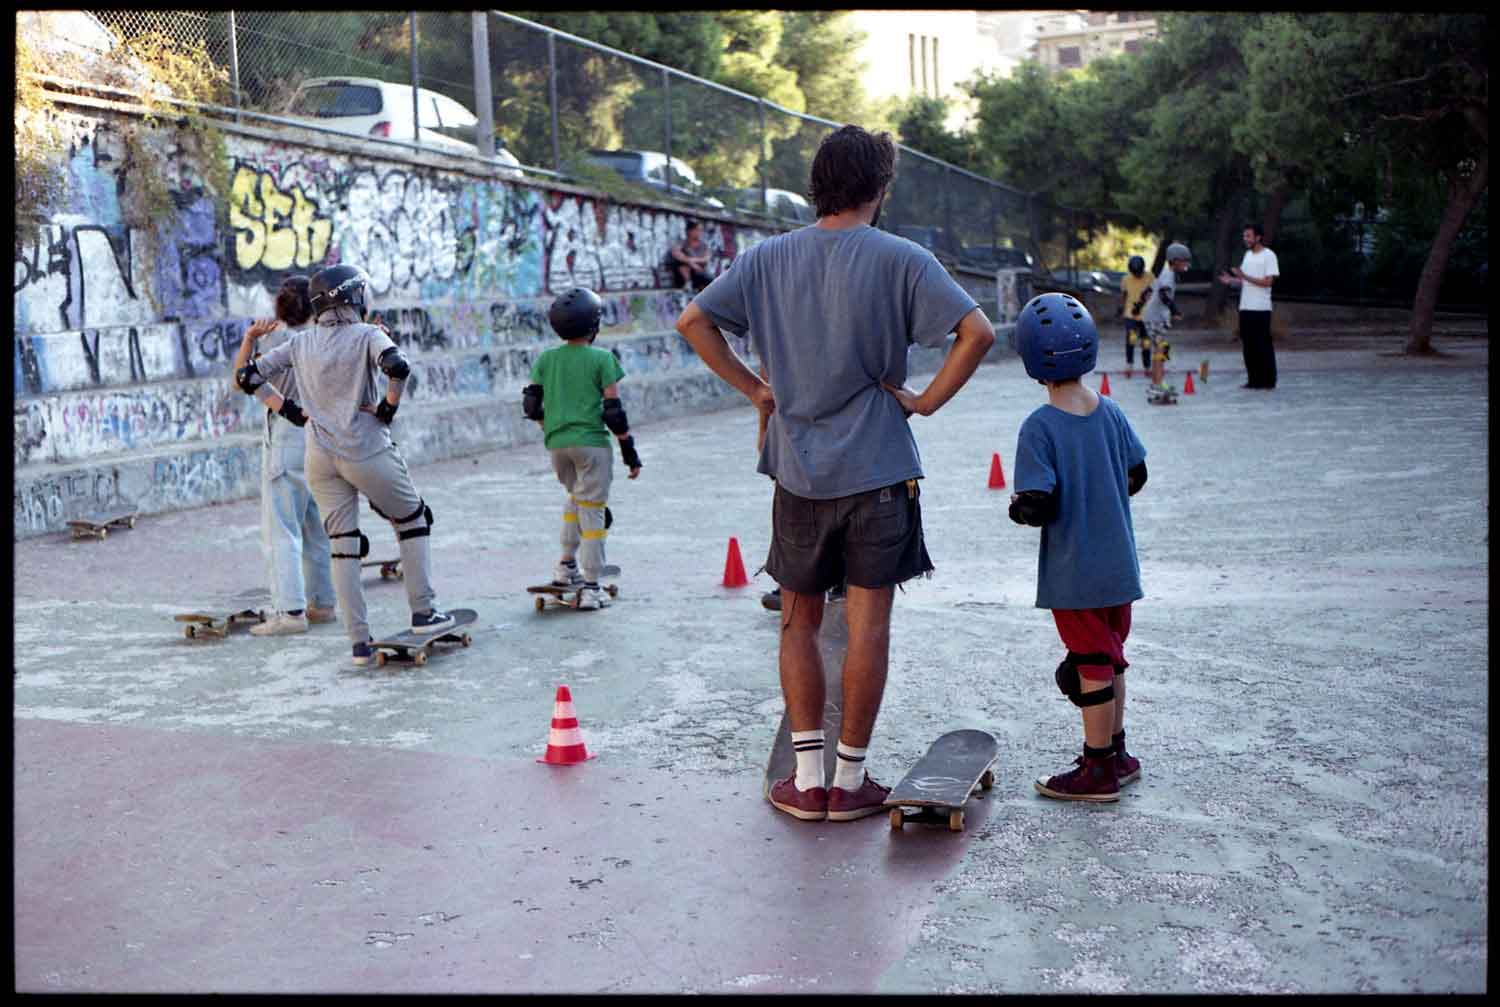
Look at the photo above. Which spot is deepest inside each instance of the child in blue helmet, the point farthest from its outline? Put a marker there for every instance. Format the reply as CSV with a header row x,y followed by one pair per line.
x,y
1078,462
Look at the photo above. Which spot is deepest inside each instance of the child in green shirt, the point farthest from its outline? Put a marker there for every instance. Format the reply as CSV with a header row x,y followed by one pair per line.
x,y
579,385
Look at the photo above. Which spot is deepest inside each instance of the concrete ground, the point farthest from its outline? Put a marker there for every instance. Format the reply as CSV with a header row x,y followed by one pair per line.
x,y
1305,698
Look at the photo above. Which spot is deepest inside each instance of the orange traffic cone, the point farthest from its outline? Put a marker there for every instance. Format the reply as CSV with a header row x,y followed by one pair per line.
x,y
1104,385
564,741
1187,386
997,474
734,567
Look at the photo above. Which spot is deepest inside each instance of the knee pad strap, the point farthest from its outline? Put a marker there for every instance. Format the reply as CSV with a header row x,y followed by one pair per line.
x,y
364,545
1070,686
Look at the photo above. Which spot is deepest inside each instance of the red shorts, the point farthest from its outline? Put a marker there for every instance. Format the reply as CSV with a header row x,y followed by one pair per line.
x,y
1096,631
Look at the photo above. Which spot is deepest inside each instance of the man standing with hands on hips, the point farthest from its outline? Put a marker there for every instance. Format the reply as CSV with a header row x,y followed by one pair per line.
x,y
1254,277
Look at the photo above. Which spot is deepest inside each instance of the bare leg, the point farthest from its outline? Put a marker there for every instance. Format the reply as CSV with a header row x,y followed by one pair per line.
x,y
1097,719
1119,703
868,612
800,661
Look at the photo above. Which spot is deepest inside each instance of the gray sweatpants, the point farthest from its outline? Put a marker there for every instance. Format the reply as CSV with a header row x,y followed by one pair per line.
x,y
586,474
336,484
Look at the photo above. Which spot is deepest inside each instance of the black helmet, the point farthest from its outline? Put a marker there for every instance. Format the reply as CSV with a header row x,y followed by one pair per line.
x,y
339,285
1137,265
576,314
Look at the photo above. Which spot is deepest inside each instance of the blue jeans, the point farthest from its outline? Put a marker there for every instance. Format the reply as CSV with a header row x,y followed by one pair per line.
x,y
291,529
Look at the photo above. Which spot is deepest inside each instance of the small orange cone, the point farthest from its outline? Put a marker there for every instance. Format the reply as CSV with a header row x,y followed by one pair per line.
x,y
997,474
734,567
1187,386
564,741
1104,386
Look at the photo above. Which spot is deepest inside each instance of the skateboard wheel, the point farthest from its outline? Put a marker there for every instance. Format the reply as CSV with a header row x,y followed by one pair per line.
x,y
612,589
987,780
380,659
132,522
575,600
104,533
188,631
467,640
420,657
956,821
897,819
540,604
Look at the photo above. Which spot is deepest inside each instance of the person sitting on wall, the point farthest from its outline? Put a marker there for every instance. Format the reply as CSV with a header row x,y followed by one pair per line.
x,y
688,259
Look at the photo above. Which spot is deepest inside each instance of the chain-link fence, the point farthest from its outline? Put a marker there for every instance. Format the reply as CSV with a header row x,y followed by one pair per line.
x,y
488,84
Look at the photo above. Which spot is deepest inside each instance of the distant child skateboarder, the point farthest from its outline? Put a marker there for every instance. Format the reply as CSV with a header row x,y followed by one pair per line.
x,y
350,451
1078,462
1135,291
1161,312
575,395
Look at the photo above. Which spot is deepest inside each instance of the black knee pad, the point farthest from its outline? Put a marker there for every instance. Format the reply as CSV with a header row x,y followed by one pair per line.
x,y
364,545
1068,679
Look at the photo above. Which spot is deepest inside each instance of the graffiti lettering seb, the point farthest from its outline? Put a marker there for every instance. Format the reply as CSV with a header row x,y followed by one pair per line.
x,y
275,229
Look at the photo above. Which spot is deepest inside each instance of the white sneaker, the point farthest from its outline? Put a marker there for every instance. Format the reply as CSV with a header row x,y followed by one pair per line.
x,y
566,576
280,624
593,597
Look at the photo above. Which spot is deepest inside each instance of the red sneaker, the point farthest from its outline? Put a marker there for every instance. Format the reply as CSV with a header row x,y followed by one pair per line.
x,y
847,805
1094,780
1127,766
808,805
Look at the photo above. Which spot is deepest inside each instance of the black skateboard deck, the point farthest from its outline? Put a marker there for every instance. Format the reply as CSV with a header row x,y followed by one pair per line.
x,y
98,525
833,639
567,597
390,569
412,648
202,625
944,779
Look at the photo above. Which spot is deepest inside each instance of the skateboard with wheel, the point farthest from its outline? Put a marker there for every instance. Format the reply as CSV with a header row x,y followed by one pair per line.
x,y
201,625
98,525
412,648
390,569
955,768
567,597
1161,395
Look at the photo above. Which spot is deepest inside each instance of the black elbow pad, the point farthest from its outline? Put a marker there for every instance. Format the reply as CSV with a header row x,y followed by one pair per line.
x,y
1034,507
393,363
531,402
249,378
1137,478
614,417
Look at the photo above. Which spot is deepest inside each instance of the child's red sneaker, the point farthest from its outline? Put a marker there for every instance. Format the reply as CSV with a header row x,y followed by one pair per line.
x,y
1093,780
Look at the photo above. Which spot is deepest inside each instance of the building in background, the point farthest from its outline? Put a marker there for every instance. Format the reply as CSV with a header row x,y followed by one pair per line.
x,y
933,52
1070,40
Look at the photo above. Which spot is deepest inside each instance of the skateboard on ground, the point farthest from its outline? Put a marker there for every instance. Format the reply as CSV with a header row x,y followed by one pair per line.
x,y
568,597
98,525
944,779
390,569
201,625
832,640
1161,395
412,647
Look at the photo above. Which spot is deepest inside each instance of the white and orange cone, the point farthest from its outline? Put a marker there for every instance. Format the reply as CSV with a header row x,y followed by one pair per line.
x,y
564,742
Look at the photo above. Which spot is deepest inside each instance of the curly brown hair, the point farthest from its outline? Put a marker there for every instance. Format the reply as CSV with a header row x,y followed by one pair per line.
x,y
293,304
851,168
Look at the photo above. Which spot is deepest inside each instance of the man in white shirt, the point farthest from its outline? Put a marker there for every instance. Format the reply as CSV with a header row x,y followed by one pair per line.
x,y
1254,278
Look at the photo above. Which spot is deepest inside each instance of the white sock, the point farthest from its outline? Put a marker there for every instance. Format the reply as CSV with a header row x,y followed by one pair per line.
x,y
809,748
850,771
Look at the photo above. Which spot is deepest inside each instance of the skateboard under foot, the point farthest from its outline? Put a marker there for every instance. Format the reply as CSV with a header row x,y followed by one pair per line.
x,y
568,597
935,790
412,647
390,569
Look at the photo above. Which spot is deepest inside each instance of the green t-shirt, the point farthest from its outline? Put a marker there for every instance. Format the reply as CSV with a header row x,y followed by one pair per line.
x,y
573,378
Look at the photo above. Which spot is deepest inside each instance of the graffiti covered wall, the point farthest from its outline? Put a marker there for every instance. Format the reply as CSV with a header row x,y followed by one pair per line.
x,y
123,337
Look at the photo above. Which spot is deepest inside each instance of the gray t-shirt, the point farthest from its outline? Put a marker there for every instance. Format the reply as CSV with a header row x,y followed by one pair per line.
x,y
1157,313
831,313
1087,557
336,366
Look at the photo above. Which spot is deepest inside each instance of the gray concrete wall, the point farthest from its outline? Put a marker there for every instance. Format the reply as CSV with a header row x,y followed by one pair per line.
x,y
123,340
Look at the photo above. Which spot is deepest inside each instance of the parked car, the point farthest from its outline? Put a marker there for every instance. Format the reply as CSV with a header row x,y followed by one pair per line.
x,y
936,240
993,257
364,106
649,167
1094,281
783,203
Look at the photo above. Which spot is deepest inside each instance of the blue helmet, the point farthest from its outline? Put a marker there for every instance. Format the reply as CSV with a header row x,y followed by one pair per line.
x,y
1056,337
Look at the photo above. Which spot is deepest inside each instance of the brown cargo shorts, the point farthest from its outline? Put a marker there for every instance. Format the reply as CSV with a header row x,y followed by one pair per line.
x,y
872,539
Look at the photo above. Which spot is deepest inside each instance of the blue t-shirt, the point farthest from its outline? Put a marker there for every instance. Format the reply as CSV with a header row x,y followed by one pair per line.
x,y
831,313
1088,556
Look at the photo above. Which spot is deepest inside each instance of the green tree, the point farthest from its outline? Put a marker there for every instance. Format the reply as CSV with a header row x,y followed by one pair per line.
x,y
1410,88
